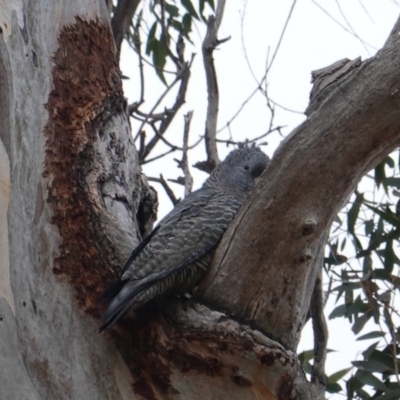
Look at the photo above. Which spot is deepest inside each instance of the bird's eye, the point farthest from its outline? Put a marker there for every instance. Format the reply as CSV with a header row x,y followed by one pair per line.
x,y
246,167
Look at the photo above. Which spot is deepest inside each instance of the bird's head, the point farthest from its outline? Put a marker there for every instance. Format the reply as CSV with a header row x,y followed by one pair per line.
x,y
237,173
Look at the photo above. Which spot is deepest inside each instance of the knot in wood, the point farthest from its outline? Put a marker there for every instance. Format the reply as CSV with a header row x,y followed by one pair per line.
x,y
305,258
308,228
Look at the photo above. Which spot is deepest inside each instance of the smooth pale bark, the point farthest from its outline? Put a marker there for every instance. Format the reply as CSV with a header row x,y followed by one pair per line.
x,y
72,202
60,109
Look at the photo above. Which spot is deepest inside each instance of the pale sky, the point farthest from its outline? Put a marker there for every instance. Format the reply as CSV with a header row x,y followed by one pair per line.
x,y
313,40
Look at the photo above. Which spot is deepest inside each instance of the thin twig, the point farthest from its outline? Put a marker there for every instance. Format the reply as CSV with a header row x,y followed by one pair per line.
x,y
253,140
350,26
184,164
320,331
138,45
263,81
240,109
341,25
243,45
209,44
167,189
149,160
183,76
161,98
281,37
165,71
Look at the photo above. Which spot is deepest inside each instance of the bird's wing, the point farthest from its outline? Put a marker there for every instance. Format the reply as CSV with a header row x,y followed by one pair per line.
x,y
193,228
189,232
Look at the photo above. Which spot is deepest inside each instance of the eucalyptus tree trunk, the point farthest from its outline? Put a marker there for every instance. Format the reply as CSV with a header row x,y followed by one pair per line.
x,y
73,203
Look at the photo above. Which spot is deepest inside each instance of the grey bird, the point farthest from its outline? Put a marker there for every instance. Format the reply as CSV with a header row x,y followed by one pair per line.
x,y
176,254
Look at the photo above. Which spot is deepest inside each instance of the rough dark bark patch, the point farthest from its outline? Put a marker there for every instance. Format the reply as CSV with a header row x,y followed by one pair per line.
x,y
157,347
86,85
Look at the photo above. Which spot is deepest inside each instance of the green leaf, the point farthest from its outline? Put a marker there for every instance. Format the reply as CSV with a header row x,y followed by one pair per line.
x,y
159,59
383,358
371,335
187,24
338,375
370,366
335,259
352,214
172,10
389,256
394,182
151,39
389,395
190,9
380,173
201,7
359,323
176,25
333,388
369,226
339,311
347,286
370,349
306,355
387,215
385,297
369,379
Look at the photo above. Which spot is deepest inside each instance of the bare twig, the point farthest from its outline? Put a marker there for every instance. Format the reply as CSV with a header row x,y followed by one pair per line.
x,y
281,37
138,47
124,12
183,76
209,44
270,102
320,331
350,27
144,60
167,189
183,164
243,45
366,11
341,25
253,140
149,160
240,109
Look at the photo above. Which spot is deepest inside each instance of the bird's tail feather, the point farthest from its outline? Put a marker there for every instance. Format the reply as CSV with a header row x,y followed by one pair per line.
x,y
111,291
127,291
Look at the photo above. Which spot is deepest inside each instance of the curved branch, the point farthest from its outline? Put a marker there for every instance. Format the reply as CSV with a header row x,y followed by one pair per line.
x,y
265,268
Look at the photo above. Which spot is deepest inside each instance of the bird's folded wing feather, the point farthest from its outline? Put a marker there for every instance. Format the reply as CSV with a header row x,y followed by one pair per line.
x,y
192,229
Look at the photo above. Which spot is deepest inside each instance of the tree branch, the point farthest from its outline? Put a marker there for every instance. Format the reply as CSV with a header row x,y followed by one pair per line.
x,y
167,189
209,44
121,19
310,178
183,164
320,330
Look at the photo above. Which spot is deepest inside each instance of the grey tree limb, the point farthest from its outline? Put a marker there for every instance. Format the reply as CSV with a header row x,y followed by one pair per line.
x,y
122,17
312,174
209,44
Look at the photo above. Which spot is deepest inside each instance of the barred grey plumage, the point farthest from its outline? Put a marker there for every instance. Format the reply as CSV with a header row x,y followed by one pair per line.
x,y
175,255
